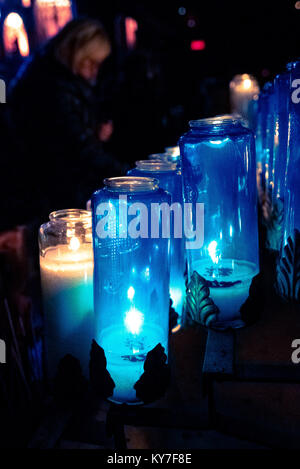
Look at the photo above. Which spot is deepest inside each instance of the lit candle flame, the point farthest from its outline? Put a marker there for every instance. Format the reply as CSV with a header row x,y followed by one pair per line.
x,y
247,83
74,244
212,251
130,293
134,320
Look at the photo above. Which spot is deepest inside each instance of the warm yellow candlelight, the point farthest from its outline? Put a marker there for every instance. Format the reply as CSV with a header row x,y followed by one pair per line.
x,y
67,285
243,89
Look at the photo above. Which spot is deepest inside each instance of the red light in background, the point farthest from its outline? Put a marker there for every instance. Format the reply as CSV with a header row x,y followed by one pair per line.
x,y
199,44
131,27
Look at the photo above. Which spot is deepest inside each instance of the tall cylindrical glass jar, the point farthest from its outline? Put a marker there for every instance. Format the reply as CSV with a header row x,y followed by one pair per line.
x,y
264,138
260,130
281,100
131,277
66,264
170,179
218,158
268,136
292,190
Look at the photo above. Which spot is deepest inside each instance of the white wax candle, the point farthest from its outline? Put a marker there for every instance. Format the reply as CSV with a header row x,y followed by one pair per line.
x,y
67,285
232,279
243,88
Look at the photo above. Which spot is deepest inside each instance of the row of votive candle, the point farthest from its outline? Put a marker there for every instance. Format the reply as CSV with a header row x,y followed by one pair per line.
x,y
277,143
135,273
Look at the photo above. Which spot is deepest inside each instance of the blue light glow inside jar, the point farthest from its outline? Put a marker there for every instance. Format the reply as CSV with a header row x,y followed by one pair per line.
x,y
131,279
218,162
170,179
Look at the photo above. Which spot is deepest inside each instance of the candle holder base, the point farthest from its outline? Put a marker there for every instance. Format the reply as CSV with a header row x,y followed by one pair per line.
x,y
155,380
69,385
151,386
201,309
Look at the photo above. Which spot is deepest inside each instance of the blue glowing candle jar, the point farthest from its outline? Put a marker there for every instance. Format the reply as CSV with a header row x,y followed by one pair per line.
x,y
292,190
260,130
131,277
265,136
170,179
219,168
281,100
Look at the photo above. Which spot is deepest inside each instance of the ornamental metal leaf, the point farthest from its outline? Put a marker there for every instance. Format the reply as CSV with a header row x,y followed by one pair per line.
x,y
199,306
155,380
288,270
100,379
69,384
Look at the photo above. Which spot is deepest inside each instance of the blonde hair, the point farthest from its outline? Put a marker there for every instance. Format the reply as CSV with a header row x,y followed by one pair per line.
x,y
77,36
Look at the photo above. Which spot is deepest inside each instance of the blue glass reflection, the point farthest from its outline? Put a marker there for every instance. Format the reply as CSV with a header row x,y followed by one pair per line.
x,y
170,179
219,170
292,192
131,280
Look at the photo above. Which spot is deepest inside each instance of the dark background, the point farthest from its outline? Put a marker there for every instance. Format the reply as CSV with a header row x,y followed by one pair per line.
x,y
152,90
166,84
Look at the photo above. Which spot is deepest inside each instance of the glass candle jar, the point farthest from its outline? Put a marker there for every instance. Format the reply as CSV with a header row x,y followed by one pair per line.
x,y
218,162
170,179
167,157
243,89
265,136
259,132
159,156
66,264
131,278
292,190
281,101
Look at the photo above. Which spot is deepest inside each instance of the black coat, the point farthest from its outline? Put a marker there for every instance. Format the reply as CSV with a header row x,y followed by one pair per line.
x,y
60,158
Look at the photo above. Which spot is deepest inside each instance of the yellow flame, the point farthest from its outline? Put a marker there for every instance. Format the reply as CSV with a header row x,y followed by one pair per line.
x,y
74,244
247,84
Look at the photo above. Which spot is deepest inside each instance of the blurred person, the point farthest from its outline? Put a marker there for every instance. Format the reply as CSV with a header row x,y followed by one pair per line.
x,y
61,158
